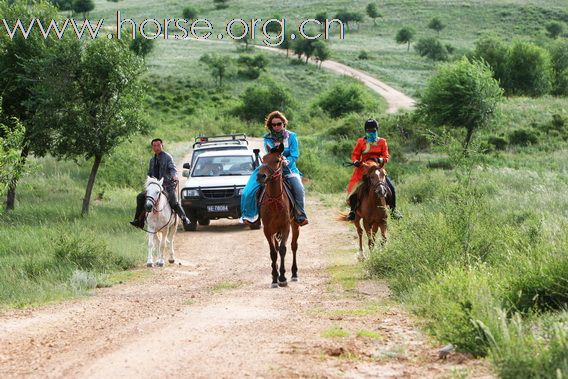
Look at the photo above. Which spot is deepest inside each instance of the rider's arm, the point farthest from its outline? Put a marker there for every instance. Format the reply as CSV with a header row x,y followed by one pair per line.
x,y
357,150
293,148
385,150
171,166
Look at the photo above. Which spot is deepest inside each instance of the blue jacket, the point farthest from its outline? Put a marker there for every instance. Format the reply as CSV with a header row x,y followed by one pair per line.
x,y
291,150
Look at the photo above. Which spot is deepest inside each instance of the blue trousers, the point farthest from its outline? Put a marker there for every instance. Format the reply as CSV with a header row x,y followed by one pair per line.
x,y
249,204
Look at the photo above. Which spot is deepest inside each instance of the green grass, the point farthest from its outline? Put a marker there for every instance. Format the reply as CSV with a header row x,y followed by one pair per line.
x,y
225,286
334,332
368,334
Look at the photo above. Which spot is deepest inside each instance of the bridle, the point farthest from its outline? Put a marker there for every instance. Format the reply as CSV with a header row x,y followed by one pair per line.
x,y
274,173
157,200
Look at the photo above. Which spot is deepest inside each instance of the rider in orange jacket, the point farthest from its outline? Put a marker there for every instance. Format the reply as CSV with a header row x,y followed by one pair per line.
x,y
370,147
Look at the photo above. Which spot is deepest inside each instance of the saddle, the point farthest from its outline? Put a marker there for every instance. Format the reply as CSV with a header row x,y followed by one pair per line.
x,y
291,201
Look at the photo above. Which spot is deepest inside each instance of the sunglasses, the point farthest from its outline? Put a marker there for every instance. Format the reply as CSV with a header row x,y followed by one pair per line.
x,y
277,123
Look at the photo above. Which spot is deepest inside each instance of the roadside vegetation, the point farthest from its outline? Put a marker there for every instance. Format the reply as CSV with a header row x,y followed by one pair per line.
x,y
481,252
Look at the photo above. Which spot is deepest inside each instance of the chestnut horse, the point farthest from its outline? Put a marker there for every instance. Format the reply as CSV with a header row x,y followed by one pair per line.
x,y
276,215
372,205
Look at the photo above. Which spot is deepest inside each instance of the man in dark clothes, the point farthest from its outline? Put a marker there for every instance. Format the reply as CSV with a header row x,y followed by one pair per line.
x,y
161,166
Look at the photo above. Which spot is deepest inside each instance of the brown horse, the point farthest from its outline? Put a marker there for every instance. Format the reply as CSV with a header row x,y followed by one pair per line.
x,y
276,215
372,194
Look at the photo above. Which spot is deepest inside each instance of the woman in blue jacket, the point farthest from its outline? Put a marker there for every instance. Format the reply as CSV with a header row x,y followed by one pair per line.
x,y
276,123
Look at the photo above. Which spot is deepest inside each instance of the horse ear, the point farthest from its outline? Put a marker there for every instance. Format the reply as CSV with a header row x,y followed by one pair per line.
x,y
280,148
268,148
161,181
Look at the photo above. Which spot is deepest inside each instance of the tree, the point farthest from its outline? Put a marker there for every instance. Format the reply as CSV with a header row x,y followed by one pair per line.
x,y
529,70
305,47
239,30
221,66
96,100
83,6
462,94
10,143
142,46
190,12
286,45
405,35
19,72
63,5
274,27
436,24
252,66
373,12
432,48
321,17
321,51
554,29
346,17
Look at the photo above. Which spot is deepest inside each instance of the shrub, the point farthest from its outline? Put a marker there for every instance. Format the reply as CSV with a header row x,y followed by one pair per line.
x,y
559,57
87,253
431,48
523,137
554,29
262,98
252,66
529,70
498,142
190,12
363,55
345,96
493,51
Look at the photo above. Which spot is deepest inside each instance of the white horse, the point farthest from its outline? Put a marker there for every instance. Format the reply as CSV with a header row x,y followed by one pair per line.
x,y
161,222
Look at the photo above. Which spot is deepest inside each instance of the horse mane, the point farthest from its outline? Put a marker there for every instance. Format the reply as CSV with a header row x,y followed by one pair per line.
x,y
151,179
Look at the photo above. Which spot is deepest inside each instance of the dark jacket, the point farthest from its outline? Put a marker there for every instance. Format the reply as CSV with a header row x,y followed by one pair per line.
x,y
166,168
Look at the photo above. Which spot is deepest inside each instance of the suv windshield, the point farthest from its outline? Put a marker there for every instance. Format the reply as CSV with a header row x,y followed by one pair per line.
x,y
198,152
223,166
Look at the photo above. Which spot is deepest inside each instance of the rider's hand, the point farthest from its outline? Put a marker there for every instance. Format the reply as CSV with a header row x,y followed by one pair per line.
x,y
380,160
285,162
357,163
175,178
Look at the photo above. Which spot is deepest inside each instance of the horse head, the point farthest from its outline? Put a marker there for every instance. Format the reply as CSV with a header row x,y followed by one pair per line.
x,y
272,163
153,191
377,177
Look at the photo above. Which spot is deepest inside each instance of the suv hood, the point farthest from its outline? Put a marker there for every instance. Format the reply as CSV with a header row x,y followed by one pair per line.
x,y
216,181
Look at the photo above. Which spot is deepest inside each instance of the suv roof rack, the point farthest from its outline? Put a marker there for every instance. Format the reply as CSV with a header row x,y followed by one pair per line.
x,y
225,138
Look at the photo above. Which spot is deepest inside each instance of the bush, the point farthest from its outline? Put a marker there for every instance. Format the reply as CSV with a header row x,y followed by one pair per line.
x,y
252,66
262,98
523,137
431,48
363,55
559,57
529,70
189,13
493,51
498,142
86,253
345,96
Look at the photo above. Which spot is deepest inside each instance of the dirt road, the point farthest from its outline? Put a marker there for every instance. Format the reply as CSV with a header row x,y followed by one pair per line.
x,y
214,315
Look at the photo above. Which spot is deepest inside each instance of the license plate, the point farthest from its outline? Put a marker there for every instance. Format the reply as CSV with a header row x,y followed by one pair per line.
x,y
217,208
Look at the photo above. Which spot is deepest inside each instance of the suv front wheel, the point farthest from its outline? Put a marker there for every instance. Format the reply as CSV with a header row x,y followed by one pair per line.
x,y
191,227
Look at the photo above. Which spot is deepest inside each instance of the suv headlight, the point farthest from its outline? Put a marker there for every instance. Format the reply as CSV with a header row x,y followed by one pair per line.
x,y
190,193
240,191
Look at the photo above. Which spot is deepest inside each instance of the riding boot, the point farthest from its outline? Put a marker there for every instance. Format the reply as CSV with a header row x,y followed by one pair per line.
x,y
181,213
353,204
139,215
392,201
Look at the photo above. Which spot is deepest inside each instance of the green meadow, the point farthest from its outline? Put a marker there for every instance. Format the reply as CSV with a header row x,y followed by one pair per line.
x,y
481,254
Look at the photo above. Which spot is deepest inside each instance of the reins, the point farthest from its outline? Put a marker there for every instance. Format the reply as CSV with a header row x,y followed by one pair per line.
x,y
154,203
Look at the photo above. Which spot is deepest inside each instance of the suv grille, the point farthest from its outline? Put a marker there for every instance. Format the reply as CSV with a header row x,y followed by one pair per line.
x,y
218,193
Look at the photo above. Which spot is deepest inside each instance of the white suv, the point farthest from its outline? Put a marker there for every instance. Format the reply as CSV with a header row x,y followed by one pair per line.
x,y
215,183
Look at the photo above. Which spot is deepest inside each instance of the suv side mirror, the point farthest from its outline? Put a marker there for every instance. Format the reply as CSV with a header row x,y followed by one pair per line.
x,y
256,158
186,166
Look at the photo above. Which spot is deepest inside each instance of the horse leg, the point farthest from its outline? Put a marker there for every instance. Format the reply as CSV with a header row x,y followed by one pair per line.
x,y
383,227
294,245
170,239
161,246
273,257
357,223
370,235
282,281
150,260
374,229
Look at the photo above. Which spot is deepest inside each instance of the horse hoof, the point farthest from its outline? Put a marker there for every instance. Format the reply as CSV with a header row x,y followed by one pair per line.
x,y
294,278
160,264
274,285
172,261
149,265
282,284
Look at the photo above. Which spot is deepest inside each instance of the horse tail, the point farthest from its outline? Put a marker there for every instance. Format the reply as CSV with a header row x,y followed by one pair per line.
x,y
341,216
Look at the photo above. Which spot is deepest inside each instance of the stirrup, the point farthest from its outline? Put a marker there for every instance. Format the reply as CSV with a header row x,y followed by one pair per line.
x,y
351,216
